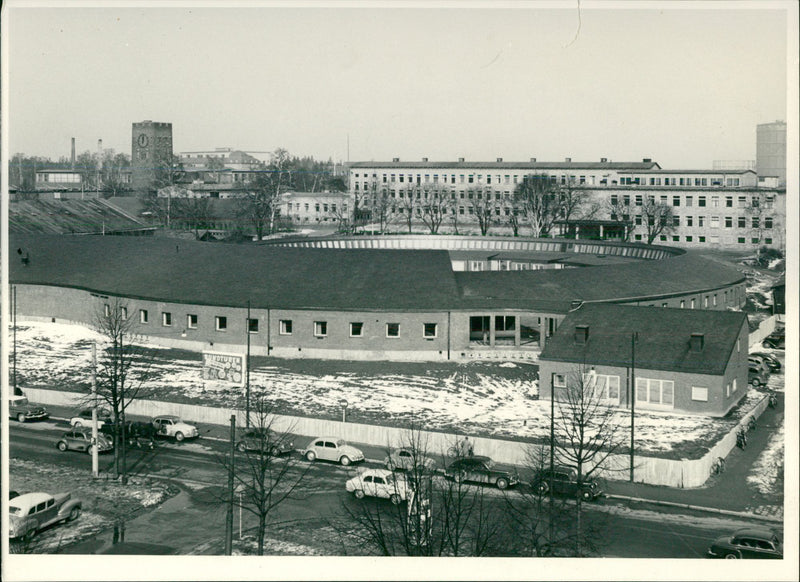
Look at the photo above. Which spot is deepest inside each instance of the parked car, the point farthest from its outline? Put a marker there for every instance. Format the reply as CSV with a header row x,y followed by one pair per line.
x,y
332,449
172,426
756,375
31,512
773,363
80,439
255,439
84,418
22,410
406,459
12,494
776,340
564,481
379,483
751,542
758,363
480,469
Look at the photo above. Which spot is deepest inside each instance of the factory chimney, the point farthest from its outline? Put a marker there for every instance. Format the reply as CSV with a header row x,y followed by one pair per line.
x,y
72,156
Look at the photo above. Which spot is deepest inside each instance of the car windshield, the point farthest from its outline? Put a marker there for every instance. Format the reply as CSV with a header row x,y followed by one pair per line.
x,y
20,401
13,510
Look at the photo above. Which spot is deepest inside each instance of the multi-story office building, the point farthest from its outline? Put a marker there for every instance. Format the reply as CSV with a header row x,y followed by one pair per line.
x,y
315,208
151,155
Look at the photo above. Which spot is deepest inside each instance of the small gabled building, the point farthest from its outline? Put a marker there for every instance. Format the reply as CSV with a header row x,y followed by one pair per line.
x,y
692,361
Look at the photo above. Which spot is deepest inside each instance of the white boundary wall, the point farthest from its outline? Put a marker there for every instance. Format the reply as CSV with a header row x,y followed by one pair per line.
x,y
650,470
765,328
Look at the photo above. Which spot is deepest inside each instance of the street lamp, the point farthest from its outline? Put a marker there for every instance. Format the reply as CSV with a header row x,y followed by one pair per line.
x,y
634,337
343,403
247,368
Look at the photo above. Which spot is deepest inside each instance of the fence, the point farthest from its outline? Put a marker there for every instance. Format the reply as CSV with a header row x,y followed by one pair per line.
x,y
765,328
650,470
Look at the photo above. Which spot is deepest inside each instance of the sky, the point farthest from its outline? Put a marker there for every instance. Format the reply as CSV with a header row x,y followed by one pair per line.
x,y
667,81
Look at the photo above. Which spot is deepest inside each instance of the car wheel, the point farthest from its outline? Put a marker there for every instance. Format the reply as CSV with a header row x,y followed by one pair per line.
x,y
502,483
359,494
587,495
78,424
241,447
395,499
731,556
74,514
755,382
179,436
90,449
62,446
29,535
345,461
311,456
21,417
542,488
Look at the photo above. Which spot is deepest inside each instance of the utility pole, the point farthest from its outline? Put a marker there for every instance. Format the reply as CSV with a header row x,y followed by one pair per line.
x,y
247,368
124,441
634,336
552,454
14,324
95,458
229,516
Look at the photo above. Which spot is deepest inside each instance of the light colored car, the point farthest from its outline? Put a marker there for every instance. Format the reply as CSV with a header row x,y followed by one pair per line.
x,y
172,426
80,439
22,410
405,460
84,418
332,449
31,512
379,483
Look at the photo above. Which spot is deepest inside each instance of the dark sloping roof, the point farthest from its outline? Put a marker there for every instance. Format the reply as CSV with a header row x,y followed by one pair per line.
x,y
555,289
229,275
511,165
662,342
68,216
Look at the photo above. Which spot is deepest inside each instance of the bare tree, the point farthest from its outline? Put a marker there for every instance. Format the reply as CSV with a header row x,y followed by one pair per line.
x,y
379,204
656,218
409,203
263,478
537,198
619,213
260,205
435,207
123,370
193,211
483,207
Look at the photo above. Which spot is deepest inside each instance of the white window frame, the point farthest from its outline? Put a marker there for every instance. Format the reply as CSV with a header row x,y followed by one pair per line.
x,y
603,382
106,310
393,336
143,316
221,322
166,318
699,394
284,327
124,313
435,330
189,323
734,385
649,384
247,324
361,331
320,329
559,380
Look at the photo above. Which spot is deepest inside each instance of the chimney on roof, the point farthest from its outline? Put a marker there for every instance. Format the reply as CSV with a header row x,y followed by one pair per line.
x,y
424,159
696,342
533,160
395,159
603,160
461,160
72,157
568,159
499,159
647,160
581,334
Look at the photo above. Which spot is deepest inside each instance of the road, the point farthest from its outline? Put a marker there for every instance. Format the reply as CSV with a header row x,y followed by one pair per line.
x,y
644,531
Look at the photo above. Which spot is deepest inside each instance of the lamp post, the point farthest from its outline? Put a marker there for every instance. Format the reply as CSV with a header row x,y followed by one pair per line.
x,y
247,368
343,403
552,450
14,324
634,337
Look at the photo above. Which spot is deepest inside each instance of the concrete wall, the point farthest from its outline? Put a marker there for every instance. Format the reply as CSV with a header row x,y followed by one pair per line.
x,y
765,328
654,471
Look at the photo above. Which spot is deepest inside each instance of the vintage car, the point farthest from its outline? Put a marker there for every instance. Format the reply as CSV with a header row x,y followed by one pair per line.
x,y
84,418
480,469
31,512
405,460
80,439
22,410
379,483
564,481
264,439
332,449
751,542
172,426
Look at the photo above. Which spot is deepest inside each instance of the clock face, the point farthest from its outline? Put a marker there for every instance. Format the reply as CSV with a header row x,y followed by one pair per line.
x,y
143,140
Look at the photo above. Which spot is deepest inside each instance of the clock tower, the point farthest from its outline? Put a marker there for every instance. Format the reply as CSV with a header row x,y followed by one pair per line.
x,y
151,155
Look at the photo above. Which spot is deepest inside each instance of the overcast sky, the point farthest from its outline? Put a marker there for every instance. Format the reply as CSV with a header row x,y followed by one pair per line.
x,y
682,86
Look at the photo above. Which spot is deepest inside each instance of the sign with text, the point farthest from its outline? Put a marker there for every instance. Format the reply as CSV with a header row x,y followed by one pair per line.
x,y
225,367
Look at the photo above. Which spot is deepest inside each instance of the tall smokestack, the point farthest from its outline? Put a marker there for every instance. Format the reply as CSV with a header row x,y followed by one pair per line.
x,y
72,157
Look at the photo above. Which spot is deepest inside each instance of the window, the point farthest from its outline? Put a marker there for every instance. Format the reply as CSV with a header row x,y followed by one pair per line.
x,y
740,240
683,303
727,390
705,302
676,221
689,238
755,240
742,222
689,221
715,222
392,330
285,327
676,200
734,384
715,201
166,318
688,201
742,201
767,224
252,325
676,238
191,321
755,222
606,387
699,394
702,239
767,241
691,303
221,322
106,310
124,312
701,221
559,381
429,330
728,201
701,201
504,322
320,328
356,329
638,200
729,222
142,316
655,392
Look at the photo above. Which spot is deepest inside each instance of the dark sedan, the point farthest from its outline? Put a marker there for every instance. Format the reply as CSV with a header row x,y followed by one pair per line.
x,y
267,440
773,363
564,481
478,469
776,340
748,543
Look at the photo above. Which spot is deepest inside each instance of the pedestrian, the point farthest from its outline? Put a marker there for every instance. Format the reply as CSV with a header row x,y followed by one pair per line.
x,y
466,447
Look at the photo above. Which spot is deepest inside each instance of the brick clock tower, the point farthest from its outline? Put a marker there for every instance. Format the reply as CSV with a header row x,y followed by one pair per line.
x,y
151,155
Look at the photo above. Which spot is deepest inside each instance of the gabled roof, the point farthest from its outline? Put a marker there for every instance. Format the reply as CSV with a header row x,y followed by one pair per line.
x,y
662,341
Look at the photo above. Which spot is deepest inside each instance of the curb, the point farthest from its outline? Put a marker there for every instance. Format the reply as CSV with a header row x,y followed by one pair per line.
x,y
744,514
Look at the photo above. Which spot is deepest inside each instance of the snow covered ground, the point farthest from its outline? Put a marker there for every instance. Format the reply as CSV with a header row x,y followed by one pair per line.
x,y
479,397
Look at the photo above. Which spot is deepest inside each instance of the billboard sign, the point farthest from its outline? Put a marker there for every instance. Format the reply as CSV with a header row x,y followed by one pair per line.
x,y
224,367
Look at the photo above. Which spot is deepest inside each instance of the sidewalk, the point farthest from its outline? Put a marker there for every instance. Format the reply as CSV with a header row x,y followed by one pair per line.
x,y
726,493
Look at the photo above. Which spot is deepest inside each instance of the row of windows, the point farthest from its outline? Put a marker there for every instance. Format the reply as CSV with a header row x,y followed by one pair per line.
x,y
710,239
324,207
689,200
689,221
220,321
392,330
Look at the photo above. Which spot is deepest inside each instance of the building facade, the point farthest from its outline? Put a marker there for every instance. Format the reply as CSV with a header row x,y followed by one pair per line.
x,y
151,155
315,208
